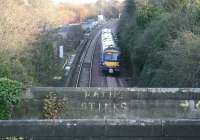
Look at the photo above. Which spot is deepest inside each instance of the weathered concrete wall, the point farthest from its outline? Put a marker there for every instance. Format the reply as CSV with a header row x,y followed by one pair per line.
x,y
124,129
117,93
103,129
114,103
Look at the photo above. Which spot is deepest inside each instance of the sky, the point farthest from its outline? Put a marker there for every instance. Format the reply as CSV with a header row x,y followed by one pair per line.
x,y
75,1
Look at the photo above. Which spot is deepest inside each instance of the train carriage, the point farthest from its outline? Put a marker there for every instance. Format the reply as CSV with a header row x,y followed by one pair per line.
x,y
110,53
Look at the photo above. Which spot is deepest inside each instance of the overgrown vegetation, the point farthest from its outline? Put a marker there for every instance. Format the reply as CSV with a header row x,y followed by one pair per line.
x,y
160,38
28,54
25,26
10,93
20,33
53,106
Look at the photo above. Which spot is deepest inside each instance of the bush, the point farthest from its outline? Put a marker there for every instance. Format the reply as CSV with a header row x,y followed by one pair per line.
x,y
53,106
47,65
10,92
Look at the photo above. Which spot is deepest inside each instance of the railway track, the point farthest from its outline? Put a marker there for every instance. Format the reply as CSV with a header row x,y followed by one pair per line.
x,y
114,82
84,78
88,72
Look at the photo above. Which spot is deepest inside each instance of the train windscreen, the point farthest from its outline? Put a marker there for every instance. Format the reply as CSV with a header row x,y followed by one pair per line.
x,y
111,56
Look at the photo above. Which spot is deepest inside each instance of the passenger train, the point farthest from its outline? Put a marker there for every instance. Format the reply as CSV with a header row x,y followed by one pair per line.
x,y
110,53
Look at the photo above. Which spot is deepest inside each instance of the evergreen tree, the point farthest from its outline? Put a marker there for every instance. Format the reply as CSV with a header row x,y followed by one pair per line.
x,y
129,11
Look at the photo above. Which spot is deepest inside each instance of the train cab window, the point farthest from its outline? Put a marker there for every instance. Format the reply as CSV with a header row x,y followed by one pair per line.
x,y
111,57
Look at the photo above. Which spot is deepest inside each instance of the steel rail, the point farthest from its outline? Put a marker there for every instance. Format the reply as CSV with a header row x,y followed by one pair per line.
x,y
91,68
82,62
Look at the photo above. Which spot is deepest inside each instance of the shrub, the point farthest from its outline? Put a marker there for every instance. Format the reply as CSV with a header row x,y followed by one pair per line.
x,y
10,92
53,106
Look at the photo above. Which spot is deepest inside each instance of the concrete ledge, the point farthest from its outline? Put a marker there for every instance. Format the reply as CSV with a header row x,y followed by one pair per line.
x,y
102,128
181,128
117,93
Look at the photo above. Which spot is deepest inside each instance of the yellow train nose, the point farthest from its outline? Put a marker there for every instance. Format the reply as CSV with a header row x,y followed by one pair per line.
x,y
111,64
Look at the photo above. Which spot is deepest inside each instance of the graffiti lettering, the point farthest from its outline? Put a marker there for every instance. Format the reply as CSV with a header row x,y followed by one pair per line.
x,y
105,107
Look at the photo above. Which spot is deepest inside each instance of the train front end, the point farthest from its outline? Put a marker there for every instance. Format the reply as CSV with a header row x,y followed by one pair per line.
x,y
111,61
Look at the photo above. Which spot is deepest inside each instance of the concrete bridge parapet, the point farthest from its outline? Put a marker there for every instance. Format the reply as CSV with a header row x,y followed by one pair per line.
x,y
103,129
117,93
